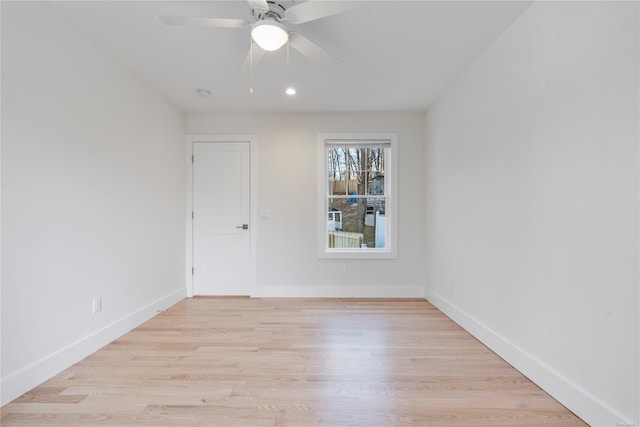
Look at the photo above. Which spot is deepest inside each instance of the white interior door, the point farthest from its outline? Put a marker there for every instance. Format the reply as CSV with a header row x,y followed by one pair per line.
x,y
221,213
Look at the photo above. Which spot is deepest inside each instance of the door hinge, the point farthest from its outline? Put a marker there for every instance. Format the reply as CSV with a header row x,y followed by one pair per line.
x,y
193,158
192,271
192,215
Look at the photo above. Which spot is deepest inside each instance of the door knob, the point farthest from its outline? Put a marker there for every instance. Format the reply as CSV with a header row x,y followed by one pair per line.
x,y
243,226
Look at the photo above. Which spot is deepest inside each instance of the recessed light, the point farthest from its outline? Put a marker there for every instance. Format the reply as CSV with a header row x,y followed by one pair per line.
x,y
203,93
290,90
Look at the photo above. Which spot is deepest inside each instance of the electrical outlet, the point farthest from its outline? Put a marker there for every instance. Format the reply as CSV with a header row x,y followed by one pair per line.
x,y
450,283
344,271
97,305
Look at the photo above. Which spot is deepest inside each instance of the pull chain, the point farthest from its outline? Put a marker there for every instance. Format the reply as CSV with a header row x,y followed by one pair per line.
x,y
251,65
290,89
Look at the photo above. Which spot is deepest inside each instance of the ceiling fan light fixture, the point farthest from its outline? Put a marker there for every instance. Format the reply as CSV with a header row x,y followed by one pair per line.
x,y
269,35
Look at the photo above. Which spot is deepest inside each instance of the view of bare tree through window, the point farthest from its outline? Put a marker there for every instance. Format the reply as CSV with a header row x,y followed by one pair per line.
x,y
356,196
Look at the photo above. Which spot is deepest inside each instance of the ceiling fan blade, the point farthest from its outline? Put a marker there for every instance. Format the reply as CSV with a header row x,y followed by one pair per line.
x,y
194,21
311,50
316,9
258,54
258,4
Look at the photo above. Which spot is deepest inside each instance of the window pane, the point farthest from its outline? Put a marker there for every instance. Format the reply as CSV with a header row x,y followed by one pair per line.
x,y
356,222
355,170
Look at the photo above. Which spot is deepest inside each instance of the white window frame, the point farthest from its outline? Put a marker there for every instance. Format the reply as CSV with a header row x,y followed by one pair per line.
x,y
390,250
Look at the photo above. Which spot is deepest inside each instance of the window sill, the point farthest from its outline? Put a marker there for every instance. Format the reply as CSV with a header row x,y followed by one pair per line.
x,y
357,254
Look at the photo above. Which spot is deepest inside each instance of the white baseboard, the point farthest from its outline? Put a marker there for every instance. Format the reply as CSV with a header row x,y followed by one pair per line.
x,y
586,406
18,383
338,291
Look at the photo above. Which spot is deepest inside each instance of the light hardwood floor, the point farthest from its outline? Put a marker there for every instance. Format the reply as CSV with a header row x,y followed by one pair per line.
x,y
291,362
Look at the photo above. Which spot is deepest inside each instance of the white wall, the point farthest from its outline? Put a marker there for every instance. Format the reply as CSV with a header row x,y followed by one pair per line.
x,y
287,262
532,203
92,198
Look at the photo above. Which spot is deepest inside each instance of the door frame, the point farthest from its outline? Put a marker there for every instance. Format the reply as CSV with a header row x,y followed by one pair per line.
x,y
253,181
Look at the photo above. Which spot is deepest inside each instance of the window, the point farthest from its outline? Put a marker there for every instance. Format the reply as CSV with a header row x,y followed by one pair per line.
x,y
356,186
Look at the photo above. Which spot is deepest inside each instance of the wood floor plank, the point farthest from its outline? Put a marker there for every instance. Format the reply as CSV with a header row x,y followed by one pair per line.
x,y
291,362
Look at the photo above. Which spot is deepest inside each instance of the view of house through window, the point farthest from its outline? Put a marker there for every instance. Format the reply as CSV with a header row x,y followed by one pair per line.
x,y
356,195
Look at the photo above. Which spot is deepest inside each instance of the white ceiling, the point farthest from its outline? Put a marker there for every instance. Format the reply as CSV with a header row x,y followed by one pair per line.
x,y
396,55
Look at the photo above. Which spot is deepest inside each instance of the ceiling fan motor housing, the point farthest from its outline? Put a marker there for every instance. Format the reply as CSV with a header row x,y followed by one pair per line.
x,y
275,12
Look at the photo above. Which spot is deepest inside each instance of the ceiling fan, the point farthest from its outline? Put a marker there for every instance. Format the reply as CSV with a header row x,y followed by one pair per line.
x,y
269,30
